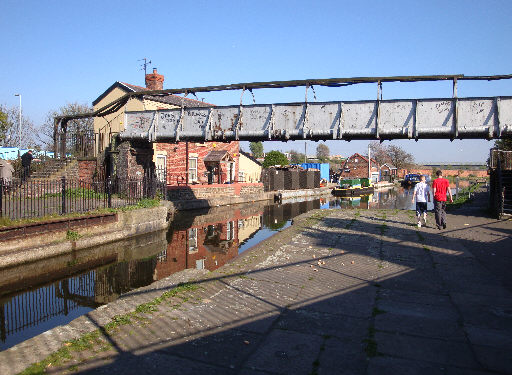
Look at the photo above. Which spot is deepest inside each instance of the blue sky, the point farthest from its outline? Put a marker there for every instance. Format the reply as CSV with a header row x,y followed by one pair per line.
x,y
54,52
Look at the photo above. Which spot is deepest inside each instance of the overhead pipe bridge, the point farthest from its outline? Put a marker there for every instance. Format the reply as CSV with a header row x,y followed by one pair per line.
x,y
449,118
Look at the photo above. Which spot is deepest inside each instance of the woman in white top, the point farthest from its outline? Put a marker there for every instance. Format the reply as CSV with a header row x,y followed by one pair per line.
x,y
422,194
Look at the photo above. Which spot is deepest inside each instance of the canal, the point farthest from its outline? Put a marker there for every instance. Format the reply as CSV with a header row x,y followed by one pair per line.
x,y
39,296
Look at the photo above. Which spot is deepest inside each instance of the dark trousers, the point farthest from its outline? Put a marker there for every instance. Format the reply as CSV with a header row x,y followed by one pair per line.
x,y
25,172
440,212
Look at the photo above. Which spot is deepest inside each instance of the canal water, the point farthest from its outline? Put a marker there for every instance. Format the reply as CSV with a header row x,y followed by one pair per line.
x,y
39,296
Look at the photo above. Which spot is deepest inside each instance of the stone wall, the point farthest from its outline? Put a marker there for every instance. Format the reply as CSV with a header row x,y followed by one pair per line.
x,y
177,193
135,159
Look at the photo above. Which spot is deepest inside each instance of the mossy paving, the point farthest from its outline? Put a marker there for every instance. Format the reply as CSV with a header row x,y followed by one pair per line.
x,y
96,342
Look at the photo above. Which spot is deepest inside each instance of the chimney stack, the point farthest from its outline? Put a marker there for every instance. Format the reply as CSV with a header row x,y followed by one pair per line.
x,y
154,81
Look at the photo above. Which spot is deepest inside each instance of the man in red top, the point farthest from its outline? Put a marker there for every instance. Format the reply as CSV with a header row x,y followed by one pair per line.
x,y
440,187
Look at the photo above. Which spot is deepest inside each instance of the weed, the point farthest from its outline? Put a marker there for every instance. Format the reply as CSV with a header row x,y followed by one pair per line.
x,y
72,235
420,236
370,348
376,311
147,308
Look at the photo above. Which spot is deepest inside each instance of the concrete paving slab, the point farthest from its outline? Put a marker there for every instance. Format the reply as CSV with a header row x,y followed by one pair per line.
x,y
384,365
342,357
286,352
426,349
314,322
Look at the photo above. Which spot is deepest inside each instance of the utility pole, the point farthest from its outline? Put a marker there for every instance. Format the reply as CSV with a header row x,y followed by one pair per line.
x,y
305,152
19,123
369,164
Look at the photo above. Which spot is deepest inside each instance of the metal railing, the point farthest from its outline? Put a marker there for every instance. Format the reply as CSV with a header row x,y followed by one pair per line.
x,y
501,158
20,199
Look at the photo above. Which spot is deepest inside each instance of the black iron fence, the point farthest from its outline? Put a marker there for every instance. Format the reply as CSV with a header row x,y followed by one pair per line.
x,y
20,199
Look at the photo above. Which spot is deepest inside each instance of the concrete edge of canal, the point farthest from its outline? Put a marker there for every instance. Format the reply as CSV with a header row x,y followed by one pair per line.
x,y
24,353
126,224
46,245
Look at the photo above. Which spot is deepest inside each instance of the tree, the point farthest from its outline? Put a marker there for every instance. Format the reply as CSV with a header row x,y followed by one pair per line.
x,y
399,157
379,153
275,158
504,144
296,157
4,124
322,152
256,149
79,127
9,119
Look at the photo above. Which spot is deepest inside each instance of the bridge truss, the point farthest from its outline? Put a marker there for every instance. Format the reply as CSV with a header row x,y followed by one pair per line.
x,y
450,118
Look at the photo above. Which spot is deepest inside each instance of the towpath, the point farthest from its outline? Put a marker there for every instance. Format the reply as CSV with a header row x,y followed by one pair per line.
x,y
339,292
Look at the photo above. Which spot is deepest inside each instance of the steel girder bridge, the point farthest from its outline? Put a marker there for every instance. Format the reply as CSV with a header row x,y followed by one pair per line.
x,y
448,118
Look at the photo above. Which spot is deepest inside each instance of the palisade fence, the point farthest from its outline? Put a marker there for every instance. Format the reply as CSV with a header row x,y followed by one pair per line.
x,y
21,199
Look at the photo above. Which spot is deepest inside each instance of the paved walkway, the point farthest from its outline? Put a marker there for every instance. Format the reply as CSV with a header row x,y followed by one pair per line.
x,y
339,292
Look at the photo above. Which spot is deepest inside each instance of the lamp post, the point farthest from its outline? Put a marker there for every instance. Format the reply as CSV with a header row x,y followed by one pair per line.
x,y
19,124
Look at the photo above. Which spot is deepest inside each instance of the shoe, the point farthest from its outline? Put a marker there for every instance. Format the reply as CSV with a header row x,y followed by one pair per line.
x,y
444,226
438,227
419,224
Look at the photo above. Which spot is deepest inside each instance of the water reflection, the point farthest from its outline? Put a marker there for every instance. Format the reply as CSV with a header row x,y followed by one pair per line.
x,y
39,296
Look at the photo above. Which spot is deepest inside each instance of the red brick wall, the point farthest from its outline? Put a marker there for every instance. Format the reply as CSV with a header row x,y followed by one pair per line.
x,y
177,159
453,172
86,169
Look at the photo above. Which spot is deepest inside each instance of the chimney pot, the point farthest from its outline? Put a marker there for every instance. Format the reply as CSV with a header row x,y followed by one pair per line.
x,y
154,81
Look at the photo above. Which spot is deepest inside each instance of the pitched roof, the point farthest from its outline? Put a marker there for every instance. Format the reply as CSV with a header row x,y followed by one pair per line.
x,y
362,157
390,166
217,156
249,156
164,98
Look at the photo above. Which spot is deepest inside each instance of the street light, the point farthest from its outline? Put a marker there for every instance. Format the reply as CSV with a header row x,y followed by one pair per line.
x,y
19,124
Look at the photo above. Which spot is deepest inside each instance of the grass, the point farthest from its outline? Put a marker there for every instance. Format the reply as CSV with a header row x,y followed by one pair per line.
x,y
462,197
72,235
95,342
143,203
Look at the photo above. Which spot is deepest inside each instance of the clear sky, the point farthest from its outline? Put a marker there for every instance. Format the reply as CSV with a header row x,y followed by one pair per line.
x,y
55,52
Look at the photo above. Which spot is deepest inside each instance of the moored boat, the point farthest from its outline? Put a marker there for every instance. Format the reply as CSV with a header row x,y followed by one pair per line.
x,y
353,187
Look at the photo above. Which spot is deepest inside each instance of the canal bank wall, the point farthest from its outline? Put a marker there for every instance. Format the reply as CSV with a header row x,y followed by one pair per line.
x,y
70,238
226,200
33,242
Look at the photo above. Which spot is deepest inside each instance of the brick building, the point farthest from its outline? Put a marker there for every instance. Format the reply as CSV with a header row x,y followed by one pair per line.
x,y
388,172
356,166
184,162
202,163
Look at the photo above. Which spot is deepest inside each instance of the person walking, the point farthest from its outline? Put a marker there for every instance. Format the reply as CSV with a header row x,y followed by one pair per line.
x,y
440,187
26,160
422,194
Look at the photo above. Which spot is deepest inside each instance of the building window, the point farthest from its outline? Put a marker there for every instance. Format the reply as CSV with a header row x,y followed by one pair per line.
x,y
161,165
192,169
192,240
241,176
230,230
200,264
